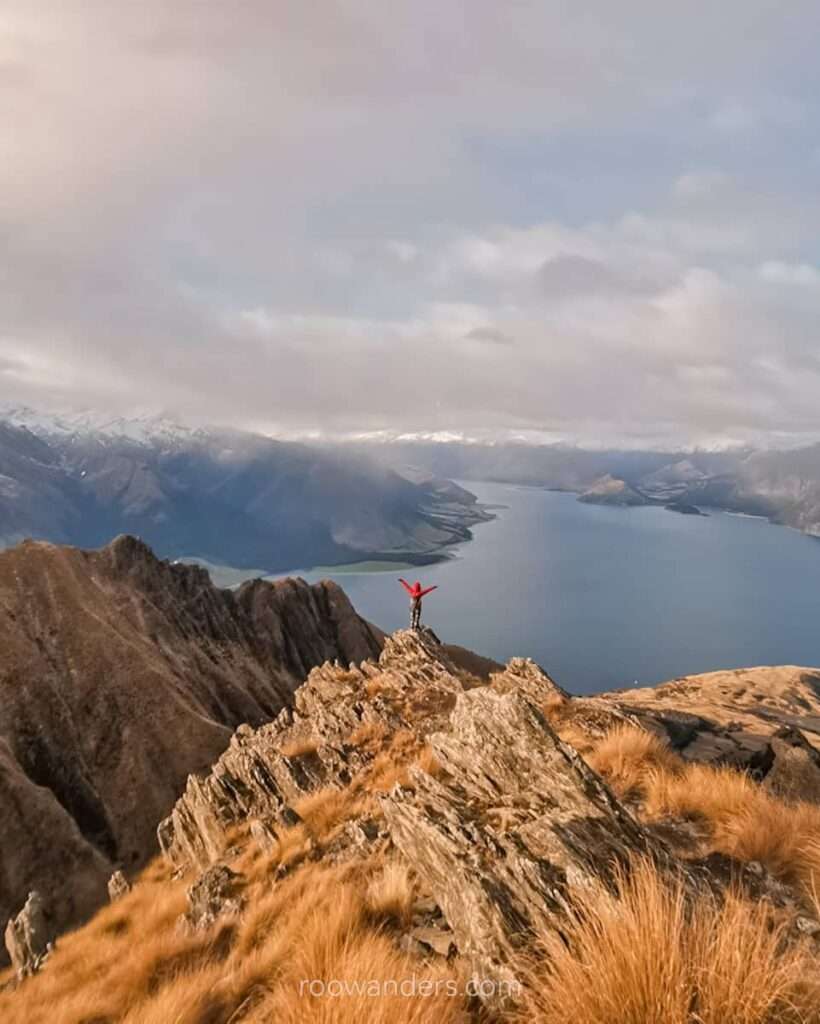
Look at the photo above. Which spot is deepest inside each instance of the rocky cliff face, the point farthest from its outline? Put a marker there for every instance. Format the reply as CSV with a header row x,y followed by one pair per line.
x,y
120,675
505,826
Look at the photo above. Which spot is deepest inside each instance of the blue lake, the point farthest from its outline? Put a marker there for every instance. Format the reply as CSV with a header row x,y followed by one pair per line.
x,y
603,597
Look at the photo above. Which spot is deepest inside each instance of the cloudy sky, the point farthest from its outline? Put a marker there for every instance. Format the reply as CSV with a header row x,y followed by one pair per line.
x,y
597,221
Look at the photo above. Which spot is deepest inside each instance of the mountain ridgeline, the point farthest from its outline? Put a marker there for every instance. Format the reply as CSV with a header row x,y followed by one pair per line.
x,y
120,675
228,497
783,486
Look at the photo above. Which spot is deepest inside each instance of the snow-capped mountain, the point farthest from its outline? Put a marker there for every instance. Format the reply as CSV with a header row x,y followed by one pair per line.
x,y
229,497
146,427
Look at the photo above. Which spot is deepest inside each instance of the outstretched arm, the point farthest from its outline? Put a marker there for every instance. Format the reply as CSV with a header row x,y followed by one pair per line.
x,y
428,590
406,585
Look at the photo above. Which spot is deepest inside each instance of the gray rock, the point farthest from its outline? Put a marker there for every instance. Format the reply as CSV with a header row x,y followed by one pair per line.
x,y
28,937
417,688
118,886
807,926
264,835
516,825
215,894
436,940
407,944
795,767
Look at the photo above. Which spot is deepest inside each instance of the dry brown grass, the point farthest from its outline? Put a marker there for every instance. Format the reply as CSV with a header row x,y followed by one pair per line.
x,y
320,923
323,810
577,737
712,793
810,872
741,818
554,708
373,687
299,747
369,736
428,762
626,754
745,821
133,964
738,816
390,893
645,957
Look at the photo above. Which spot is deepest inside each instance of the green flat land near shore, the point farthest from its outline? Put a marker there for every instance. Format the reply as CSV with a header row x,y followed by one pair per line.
x,y
227,577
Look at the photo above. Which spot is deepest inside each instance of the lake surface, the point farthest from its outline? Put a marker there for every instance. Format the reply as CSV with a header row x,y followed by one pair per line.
x,y
604,597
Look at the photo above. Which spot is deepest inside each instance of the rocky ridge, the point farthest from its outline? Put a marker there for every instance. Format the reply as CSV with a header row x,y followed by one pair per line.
x,y
120,675
503,823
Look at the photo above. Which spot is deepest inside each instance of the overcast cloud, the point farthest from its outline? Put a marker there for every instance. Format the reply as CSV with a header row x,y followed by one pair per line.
x,y
598,221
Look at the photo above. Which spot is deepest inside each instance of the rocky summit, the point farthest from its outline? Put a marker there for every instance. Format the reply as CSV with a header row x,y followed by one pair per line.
x,y
508,826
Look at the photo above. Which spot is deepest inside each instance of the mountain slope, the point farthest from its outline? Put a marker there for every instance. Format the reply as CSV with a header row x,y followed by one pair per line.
x,y
496,847
784,486
227,497
121,674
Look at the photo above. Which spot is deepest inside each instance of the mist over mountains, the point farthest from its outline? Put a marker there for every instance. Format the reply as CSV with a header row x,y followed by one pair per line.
x,y
232,498
783,486
256,503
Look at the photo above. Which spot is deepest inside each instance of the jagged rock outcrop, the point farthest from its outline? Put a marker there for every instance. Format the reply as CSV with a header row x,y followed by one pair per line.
x,y
413,686
28,937
516,824
505,826
120,675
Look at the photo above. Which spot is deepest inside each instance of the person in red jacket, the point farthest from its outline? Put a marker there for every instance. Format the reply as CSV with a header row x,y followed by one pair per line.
x,y
416,594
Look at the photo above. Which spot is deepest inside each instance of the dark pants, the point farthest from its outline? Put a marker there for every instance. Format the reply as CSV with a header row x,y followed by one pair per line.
x,y
415,613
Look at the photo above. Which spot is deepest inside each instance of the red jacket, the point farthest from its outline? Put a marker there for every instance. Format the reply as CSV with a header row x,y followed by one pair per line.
x,y
415,591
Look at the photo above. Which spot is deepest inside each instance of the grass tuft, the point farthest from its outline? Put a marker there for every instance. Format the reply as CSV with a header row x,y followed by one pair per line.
x,y
644,956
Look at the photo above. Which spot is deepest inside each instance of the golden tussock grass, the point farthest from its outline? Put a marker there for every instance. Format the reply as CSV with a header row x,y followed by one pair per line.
x,y
323,810
577,737
428,762
745,820
645,956
741,817
714,793
386,772
626,754
554,707
390,893
321,924
373,687
369,736
299,747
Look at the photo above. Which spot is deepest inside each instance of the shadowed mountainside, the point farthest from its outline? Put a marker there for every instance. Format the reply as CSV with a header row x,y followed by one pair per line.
x,y
120,674
228,497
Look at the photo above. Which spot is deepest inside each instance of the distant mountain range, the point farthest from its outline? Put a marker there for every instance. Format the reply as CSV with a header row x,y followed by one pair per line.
x,y
783,486
254,503
228,497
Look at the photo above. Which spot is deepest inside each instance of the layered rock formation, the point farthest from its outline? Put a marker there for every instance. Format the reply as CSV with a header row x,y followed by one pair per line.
x,y
503,828
412,687
120,675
